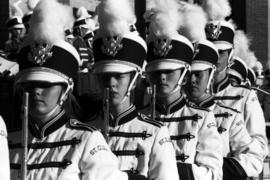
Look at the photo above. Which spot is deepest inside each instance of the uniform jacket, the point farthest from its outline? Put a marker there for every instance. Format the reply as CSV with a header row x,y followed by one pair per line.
x,y
246,102
142,145
238,147
195,139
64,149
4,163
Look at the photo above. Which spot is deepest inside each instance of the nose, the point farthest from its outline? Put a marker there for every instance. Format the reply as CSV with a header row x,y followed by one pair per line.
x,y
162,77
36,91
112,81
192,78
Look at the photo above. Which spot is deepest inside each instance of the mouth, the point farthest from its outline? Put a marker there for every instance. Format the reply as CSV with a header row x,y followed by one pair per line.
x,y
193,87
162,85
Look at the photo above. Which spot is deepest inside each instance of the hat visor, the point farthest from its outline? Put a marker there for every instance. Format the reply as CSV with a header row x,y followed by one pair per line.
x,y
200,66
235,73
41,74
114,66
164,64
223,45
17,26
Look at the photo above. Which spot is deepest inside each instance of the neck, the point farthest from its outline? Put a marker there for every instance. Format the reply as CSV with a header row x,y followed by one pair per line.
x,y
118,109
220,76
200,99
41,120
169,99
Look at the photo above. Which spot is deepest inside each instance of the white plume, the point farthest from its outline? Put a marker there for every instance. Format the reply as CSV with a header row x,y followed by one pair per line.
x,y
257,66
194,22
251,59
115,17
241,44
165,19
217,9
49,21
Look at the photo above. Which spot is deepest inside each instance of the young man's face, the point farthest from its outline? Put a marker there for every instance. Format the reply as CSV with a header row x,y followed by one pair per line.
x,y
117,83
222,60
43,97
197,84
165,81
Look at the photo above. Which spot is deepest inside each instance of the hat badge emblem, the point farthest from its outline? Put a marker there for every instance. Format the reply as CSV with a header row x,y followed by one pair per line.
x,y
162,47
213,31
111,45
39,53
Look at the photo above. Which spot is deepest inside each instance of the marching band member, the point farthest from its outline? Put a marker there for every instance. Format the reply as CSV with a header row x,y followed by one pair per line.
x,y
236,142
237,71
16,30
240,98
142,145
4,165
80,28
60,146
192,129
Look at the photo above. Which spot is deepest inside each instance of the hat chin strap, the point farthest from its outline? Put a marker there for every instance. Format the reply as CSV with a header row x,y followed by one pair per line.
x,y
213,70
228,60
131,85
178,85
61,100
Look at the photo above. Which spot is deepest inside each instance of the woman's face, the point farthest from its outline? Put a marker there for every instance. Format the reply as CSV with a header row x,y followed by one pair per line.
x,y
117,83
165,81
43,97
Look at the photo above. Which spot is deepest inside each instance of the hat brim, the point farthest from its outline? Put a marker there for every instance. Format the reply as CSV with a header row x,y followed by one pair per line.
x,y
222,45
17,26
41,74
235,73
164,64
200,66
114,66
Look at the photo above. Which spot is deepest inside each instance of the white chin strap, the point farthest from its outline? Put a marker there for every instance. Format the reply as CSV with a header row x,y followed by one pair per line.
x,y
213,70
137,73
61,99
229,63
179,83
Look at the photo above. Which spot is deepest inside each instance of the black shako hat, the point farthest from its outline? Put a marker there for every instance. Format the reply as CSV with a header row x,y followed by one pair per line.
x,y
221,33
238,69
205,56
58,63
119,54
168,54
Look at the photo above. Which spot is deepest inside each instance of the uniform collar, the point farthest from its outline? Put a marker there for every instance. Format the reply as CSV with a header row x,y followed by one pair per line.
x,y
221,85
171,108
55,123
124,117
207,102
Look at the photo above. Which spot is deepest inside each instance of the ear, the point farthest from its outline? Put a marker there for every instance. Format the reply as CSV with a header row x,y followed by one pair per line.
x,y
185,80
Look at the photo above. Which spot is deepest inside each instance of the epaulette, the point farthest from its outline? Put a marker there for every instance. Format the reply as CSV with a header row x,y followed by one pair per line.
x,y
149,120
197,107
226,107
242,86
75,124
